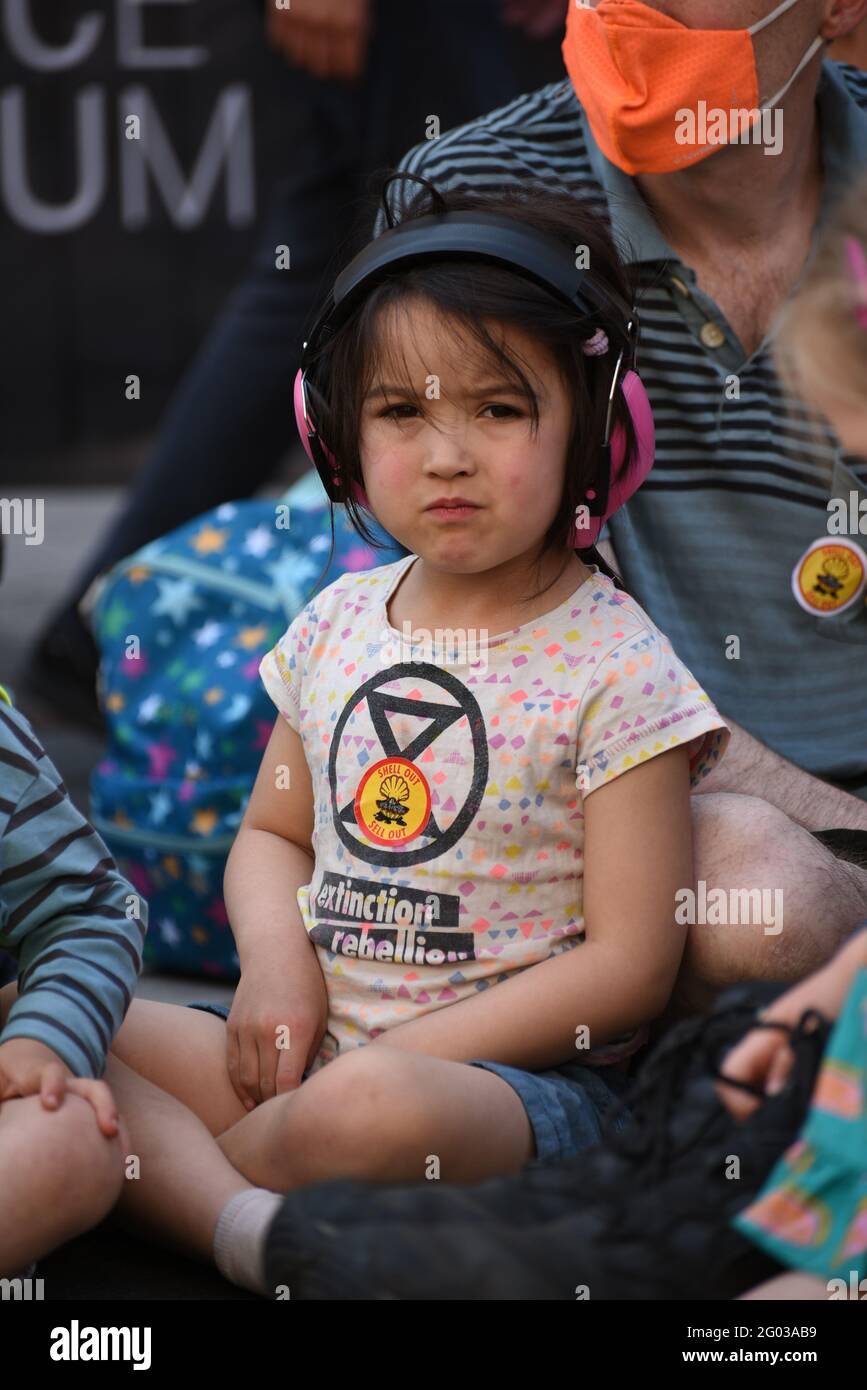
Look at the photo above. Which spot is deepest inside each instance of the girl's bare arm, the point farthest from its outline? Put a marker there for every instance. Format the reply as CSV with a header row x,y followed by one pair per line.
x,y
272,856
280,1008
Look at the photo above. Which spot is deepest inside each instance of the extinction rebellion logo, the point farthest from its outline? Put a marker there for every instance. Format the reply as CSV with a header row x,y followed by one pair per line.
x,y
390,807
391,803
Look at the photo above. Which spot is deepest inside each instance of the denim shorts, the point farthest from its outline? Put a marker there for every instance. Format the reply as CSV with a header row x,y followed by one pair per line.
x,y
565,1105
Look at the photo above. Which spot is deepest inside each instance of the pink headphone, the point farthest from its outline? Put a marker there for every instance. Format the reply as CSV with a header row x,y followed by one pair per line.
x,y
527,251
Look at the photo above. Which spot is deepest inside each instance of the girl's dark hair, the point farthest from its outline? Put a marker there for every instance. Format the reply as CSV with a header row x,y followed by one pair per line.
x,y
470,293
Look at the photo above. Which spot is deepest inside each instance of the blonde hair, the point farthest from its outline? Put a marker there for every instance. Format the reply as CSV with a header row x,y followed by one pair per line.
x,y
818,339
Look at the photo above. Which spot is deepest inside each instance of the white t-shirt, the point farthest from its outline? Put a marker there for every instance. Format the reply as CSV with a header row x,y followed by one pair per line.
x,y
449,779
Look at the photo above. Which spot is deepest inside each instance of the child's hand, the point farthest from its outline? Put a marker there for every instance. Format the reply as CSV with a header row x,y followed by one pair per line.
x,y
277,1021
763,1057
29,1068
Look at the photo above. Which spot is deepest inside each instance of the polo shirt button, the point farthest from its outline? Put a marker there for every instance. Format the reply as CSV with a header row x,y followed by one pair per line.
x,y
712,335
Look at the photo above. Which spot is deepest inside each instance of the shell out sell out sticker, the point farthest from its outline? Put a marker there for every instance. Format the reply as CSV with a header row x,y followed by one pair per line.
x,y
830,577
392,804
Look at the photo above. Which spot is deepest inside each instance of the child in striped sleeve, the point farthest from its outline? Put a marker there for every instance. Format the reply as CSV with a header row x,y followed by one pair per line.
x,y
76,929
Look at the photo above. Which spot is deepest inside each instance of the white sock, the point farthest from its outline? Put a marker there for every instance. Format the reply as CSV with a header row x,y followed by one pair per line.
x,y
239,1237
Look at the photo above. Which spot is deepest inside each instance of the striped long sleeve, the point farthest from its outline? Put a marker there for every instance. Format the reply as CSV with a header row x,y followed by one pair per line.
x,y
74,924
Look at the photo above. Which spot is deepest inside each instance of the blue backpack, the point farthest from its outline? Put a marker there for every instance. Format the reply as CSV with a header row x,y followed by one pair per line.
x,y
182,626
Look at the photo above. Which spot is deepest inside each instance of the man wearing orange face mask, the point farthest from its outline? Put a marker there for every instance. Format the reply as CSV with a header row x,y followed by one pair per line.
x,y
718,135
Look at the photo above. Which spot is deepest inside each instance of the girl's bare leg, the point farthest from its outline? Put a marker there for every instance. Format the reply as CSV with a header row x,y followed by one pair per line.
x,y
184,1180
183,1052
375,1113
384,1115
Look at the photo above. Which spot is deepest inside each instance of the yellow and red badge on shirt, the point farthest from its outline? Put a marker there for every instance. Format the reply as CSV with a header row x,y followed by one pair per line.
x,y
393,802
830,577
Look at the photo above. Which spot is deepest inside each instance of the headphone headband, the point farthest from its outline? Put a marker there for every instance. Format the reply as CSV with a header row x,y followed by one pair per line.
x,y
486,237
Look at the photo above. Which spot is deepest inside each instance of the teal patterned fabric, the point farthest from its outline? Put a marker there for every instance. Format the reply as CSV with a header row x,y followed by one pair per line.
x,y
182,626
812,1212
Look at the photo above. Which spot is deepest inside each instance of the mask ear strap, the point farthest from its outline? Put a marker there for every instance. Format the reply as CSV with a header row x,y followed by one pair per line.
x,y
769,18
814,48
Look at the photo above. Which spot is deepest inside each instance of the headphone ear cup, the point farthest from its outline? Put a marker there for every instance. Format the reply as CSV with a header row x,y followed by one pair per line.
x,y
315,450
318,453
298,397
627,475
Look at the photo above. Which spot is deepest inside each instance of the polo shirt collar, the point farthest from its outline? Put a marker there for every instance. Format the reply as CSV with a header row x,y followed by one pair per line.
x,y
843,133
638,236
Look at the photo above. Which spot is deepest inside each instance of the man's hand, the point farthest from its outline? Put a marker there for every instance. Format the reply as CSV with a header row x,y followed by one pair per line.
x,y
29,1068
538,18
327,37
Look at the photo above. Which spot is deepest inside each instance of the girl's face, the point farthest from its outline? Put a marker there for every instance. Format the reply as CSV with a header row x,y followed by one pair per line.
x,y
466,433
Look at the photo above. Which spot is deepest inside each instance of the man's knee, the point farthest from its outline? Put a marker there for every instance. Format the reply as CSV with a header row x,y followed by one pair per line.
x,y
731,830
776,903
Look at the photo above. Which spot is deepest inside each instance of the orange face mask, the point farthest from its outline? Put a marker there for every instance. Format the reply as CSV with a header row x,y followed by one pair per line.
x,y
640,76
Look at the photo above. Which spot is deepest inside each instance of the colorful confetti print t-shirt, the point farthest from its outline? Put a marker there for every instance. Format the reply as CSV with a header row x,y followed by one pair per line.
x,y
449,778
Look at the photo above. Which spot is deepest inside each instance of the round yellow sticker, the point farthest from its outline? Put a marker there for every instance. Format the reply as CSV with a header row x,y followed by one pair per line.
x,y
830,577
392,804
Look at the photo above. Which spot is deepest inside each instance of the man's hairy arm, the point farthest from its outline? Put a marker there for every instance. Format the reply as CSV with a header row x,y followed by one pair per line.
x,y
752,769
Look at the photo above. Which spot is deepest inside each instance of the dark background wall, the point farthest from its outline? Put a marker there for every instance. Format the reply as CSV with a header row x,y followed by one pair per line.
x,y
115,253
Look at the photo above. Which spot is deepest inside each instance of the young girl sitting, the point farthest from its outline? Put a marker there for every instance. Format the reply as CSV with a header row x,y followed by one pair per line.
x,y
812,1211
453,890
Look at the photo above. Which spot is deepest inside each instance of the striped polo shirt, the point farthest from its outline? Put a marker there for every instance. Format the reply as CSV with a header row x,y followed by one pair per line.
x,y
75,926
742,478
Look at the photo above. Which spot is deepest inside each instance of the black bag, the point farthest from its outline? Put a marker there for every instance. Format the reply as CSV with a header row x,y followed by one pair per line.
x,y
646,1214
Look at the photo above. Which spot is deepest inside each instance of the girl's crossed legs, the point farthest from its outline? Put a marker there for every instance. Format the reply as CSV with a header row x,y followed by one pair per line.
x,y
377,1113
